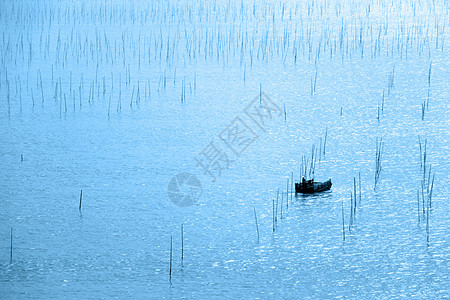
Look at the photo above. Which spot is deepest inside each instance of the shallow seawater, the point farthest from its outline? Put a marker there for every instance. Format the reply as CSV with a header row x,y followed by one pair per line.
x,y
115,99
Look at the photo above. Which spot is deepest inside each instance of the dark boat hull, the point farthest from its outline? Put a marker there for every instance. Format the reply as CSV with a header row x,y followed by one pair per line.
x,y
314,187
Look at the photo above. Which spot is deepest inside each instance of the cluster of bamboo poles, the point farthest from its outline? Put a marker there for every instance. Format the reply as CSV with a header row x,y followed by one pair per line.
x,y
390,86
355,201
171,252
426,102
308,164
283,201
423,208
277,36
425,192
307,170
157,43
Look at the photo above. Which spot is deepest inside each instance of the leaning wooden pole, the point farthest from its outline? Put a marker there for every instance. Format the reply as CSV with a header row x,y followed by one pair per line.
x,y
256,221
431,190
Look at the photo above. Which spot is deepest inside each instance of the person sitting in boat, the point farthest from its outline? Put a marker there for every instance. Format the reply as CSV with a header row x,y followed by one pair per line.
x,y
306,182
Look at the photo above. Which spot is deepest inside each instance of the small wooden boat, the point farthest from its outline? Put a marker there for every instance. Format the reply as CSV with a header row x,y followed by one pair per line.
x,y
311,187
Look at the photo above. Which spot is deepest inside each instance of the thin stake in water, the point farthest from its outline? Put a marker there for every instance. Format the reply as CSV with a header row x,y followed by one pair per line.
x,y
354,189
276,207
273,215
256,221
292,183
431,190
81,197
182,242
170,262
260,93
350,223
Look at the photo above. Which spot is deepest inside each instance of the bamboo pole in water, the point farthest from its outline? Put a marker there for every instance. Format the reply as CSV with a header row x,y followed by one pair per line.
x,y
170,261
292,184
420,151
182,242
431,190
379,148
273,215
354,197
423,198
428,225
424,159
320,149
350,222
81,197
256,221
260,93
276,208
312,162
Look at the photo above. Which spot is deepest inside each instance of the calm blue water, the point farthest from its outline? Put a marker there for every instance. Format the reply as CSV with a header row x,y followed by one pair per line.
x,y
116,99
